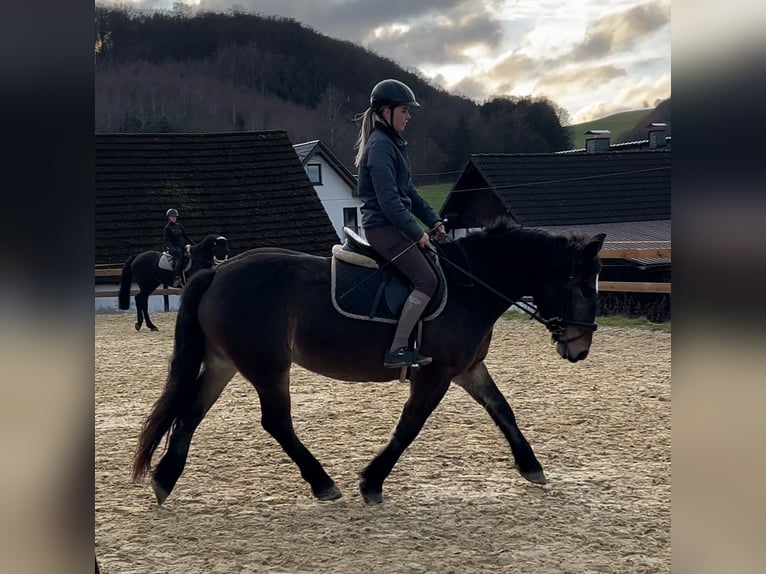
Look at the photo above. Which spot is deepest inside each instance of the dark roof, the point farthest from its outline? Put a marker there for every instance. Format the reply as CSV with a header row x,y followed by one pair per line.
x,y
551,189
630,235
308,150
247,186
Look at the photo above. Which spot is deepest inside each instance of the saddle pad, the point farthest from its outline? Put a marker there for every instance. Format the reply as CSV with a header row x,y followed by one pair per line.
x,y
377,294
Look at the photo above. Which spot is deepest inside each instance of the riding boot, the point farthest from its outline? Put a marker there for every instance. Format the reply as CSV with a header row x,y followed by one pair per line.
x,y
399,355
178,273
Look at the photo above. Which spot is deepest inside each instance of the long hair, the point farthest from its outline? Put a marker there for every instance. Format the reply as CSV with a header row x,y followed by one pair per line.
x,y
368,123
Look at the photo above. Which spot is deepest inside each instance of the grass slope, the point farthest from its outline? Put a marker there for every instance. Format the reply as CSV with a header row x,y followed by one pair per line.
x,y
435,194
616,123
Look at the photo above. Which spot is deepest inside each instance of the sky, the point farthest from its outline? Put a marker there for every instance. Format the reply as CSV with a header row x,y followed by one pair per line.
x,y
590,57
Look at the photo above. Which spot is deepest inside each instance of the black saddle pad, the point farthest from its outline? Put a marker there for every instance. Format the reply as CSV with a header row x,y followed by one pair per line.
x,y
378,294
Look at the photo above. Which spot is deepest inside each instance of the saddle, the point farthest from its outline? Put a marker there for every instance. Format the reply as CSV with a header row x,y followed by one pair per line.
x,y
365,286
166,260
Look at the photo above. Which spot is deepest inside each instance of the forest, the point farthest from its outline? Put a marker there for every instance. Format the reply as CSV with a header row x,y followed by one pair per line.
x,y
214,72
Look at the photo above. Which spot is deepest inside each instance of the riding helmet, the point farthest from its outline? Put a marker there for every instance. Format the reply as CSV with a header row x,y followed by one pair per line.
x,y
392,93
172,212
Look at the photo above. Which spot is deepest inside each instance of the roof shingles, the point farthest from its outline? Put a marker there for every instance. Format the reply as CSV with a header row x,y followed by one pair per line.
x,y
247,186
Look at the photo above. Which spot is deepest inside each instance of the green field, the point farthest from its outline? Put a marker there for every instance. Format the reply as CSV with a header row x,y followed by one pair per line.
x,y
435,194
616,123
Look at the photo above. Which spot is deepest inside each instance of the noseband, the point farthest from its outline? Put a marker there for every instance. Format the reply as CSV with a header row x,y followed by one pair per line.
x,y
557,325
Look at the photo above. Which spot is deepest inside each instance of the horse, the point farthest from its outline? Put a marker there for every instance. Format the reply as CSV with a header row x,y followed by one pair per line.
x,y
267,308
145,269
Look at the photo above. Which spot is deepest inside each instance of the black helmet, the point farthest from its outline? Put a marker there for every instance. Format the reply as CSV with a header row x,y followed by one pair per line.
x,y
392,93
171,211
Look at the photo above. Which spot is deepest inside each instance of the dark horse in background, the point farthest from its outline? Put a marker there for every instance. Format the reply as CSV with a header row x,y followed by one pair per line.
x,y
267,308
144,269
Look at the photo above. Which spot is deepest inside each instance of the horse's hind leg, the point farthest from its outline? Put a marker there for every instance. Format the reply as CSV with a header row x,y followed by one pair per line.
x,y
277,421
216,373
479,384
139,312
425,394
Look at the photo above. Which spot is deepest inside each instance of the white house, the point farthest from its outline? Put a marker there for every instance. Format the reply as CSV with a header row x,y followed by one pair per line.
x,y
335,185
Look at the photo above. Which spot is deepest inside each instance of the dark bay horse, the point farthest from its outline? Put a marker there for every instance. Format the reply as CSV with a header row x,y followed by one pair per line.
x,y
145,270
267,308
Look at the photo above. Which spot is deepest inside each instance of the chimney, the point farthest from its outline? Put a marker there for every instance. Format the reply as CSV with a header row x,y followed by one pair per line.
x,y
597,140
657,134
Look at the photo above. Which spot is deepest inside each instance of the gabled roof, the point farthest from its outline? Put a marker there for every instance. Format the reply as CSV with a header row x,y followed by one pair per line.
x,y
307,150
247,186
550,189
630,235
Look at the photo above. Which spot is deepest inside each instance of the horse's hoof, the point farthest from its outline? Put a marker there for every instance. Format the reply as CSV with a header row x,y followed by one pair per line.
x,y
536,476
371,496
153,328
330,493
159,492
138,326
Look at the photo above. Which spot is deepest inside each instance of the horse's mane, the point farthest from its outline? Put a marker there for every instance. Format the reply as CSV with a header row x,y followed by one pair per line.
x,y
209,239
558,248
502,228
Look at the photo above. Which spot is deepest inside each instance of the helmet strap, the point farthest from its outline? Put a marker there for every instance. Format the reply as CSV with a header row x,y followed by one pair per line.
x,y
390,121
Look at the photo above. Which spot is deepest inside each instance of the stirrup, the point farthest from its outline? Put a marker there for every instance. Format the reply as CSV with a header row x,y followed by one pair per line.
x,y
404,357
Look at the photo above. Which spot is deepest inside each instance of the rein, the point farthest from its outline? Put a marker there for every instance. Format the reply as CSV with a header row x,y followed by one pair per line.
x,y
556,325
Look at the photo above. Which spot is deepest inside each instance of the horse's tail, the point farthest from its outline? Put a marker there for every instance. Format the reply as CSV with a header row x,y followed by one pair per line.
x,y
181,387
123,299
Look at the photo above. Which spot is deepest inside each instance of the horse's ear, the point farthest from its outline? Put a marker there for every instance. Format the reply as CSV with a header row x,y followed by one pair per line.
x,y
594,246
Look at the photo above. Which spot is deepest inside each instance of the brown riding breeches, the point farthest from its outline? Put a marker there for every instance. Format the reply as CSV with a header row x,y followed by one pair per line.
x,y
390,243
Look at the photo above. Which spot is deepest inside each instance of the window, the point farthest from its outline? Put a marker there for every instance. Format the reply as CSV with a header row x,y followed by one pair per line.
x,y
314,171
350,219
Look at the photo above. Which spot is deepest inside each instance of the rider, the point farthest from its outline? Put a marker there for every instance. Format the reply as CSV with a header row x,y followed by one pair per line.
x,y
390,205
176,240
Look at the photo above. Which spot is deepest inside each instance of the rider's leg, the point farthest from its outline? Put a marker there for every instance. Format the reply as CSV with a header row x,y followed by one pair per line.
x,y
411,261
178,261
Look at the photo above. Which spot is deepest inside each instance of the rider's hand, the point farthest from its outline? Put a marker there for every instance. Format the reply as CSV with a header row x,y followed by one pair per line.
x,y
439,229
424,241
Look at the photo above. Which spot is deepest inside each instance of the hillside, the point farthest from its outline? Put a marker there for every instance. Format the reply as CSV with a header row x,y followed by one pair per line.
x,y
209,72
616,123
659,114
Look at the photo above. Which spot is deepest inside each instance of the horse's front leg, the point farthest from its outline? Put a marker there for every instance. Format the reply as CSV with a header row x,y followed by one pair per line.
x,y
426,390
142,303
479,384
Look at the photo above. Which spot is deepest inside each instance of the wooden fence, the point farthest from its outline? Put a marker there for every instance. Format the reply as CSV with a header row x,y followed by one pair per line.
x,y
108,270
115,271
631,286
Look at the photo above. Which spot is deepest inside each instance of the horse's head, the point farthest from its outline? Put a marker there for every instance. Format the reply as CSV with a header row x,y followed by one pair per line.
x,y
220,250
568,299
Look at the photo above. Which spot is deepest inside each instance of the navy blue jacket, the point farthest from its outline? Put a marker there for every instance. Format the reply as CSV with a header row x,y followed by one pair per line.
x,y
386,189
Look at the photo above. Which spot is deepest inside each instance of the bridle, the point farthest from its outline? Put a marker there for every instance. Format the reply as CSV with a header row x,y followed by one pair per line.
x,y
216,261
556,325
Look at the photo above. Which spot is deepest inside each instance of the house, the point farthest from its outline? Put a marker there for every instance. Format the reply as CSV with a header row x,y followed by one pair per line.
x,y
623,191
335,185
248,186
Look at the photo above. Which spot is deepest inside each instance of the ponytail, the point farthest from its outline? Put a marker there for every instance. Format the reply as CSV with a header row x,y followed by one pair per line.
x,y
368,123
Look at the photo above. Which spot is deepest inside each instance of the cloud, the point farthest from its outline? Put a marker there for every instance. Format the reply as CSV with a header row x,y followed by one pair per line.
x,y
581,77
438,39
470,87
621,31
631,94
